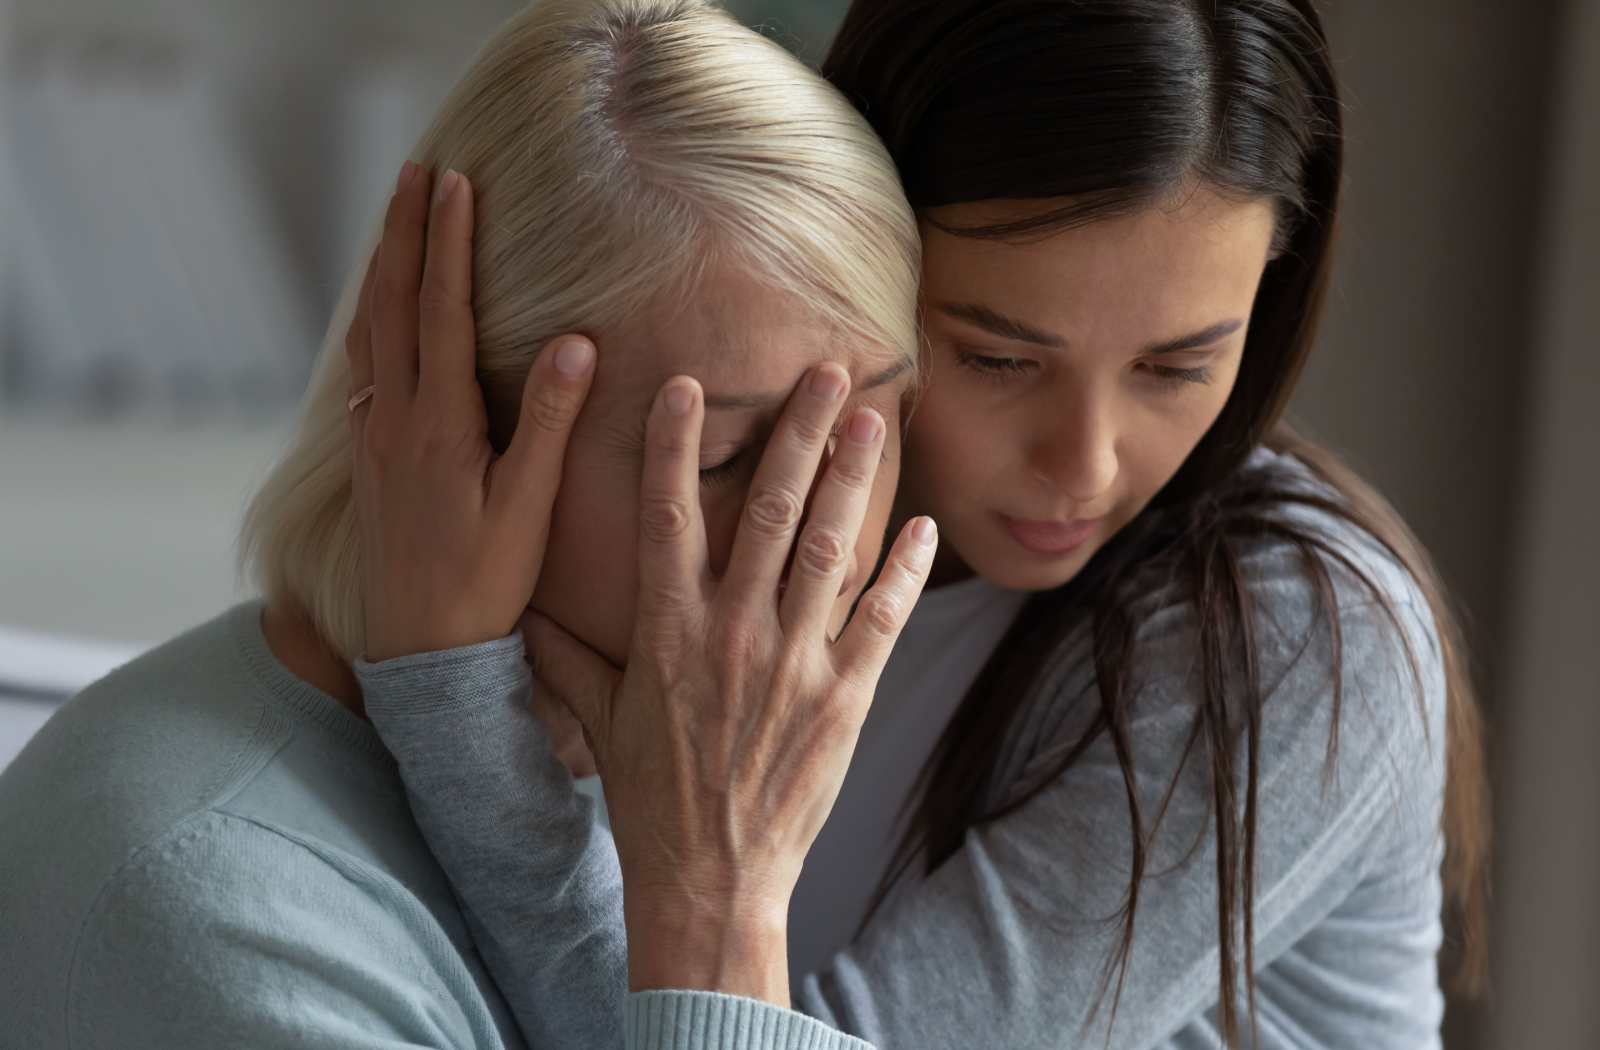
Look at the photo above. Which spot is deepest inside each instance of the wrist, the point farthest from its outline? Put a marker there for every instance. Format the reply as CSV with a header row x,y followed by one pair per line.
x,y
729,941
389,641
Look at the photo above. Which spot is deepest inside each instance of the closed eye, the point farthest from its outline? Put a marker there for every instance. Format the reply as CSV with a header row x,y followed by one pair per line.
x,y
1176,377
993,366
745,459
728,469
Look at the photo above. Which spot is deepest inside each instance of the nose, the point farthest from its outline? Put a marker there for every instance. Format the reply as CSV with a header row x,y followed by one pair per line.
x,y
1076,450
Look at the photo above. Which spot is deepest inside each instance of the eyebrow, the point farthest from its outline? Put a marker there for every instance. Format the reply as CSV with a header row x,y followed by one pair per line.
x,y
1010,328
1204,337
1001,325
733,402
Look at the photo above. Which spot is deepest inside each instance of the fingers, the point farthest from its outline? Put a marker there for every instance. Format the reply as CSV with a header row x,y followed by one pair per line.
x,y
823,555
863,647
672,534
570,671
523,482
358,350
777,499
447,346
395,288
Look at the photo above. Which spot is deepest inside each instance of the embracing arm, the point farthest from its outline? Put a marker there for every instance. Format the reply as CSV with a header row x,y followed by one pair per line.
x,y
536,875
453,536
1008,942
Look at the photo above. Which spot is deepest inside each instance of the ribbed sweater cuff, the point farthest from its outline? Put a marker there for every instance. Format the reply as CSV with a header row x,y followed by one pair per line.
x,y
444,681
662,1020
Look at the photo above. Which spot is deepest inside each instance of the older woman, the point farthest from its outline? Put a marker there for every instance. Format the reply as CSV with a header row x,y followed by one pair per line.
x,y
213,846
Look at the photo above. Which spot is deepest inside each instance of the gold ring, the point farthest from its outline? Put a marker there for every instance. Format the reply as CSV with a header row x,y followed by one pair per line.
x,y
361,395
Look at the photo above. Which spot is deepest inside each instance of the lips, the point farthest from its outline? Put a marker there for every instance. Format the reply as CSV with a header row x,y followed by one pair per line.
x,y
1049,539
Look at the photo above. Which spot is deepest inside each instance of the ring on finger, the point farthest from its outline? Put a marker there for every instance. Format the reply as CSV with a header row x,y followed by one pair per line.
x,y
361,395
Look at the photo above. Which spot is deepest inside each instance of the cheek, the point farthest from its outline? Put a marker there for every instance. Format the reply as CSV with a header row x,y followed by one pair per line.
x,y
1163,434
953,447
721,511
590,580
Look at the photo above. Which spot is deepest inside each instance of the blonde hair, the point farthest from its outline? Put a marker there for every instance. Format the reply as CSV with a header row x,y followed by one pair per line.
x,y
615,148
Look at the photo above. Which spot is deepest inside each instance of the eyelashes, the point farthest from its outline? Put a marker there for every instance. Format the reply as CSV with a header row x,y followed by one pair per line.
x,y
744,460
1002,368
992,367
1175,378
727,470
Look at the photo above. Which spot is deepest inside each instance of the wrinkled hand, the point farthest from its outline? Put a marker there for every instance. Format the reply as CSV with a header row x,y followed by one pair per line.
x,y
452,535
723,744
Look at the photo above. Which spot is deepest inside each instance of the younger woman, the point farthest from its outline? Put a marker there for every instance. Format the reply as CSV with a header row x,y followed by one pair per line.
x,y
1188,787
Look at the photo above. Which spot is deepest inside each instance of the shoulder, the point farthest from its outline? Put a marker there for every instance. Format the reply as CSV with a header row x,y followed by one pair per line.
x,y
113,770
1329,594
1317,588
131,754
229,925
1345,651
1340,634
165,709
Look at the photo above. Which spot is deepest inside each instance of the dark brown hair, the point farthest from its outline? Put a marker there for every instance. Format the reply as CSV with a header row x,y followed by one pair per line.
x,y
1103,107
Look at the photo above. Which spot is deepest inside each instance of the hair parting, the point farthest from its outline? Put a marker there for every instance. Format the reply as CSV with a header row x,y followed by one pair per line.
x,y
617,149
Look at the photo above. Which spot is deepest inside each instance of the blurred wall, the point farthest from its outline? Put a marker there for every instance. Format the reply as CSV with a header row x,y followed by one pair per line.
x,y
1452,374
282,69
1416,376
1549,920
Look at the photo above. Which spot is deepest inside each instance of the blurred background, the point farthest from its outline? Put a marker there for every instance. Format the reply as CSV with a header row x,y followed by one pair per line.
x,y
183,185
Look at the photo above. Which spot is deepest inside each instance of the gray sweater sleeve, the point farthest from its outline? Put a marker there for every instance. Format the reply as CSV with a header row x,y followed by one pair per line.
x,y
536,875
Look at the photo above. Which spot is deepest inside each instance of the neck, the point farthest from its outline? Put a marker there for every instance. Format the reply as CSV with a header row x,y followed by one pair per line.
x,y
294,640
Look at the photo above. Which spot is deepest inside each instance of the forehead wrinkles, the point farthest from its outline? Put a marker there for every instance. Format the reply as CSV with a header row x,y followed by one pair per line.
x,y
736,343
742,334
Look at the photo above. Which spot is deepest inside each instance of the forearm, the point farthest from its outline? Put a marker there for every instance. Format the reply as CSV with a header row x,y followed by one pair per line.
x,y
537,877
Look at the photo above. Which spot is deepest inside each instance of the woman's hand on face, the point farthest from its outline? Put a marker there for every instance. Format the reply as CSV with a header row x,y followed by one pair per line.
x,y
724,743
452,535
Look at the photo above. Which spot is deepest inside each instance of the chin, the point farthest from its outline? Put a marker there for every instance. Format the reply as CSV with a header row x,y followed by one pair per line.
x,y
1033,577
1024,572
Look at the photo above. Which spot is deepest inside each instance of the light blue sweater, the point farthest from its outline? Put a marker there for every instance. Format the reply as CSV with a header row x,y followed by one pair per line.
x,y
203,851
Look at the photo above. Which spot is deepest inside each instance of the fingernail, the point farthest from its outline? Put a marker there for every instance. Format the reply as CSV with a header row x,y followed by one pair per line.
x,y
827,385
864,427
574,357
448,184
679,399
924,531
408,171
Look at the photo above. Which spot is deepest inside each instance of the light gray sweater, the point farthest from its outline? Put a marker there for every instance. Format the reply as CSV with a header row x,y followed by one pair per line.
x,y
1006,944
